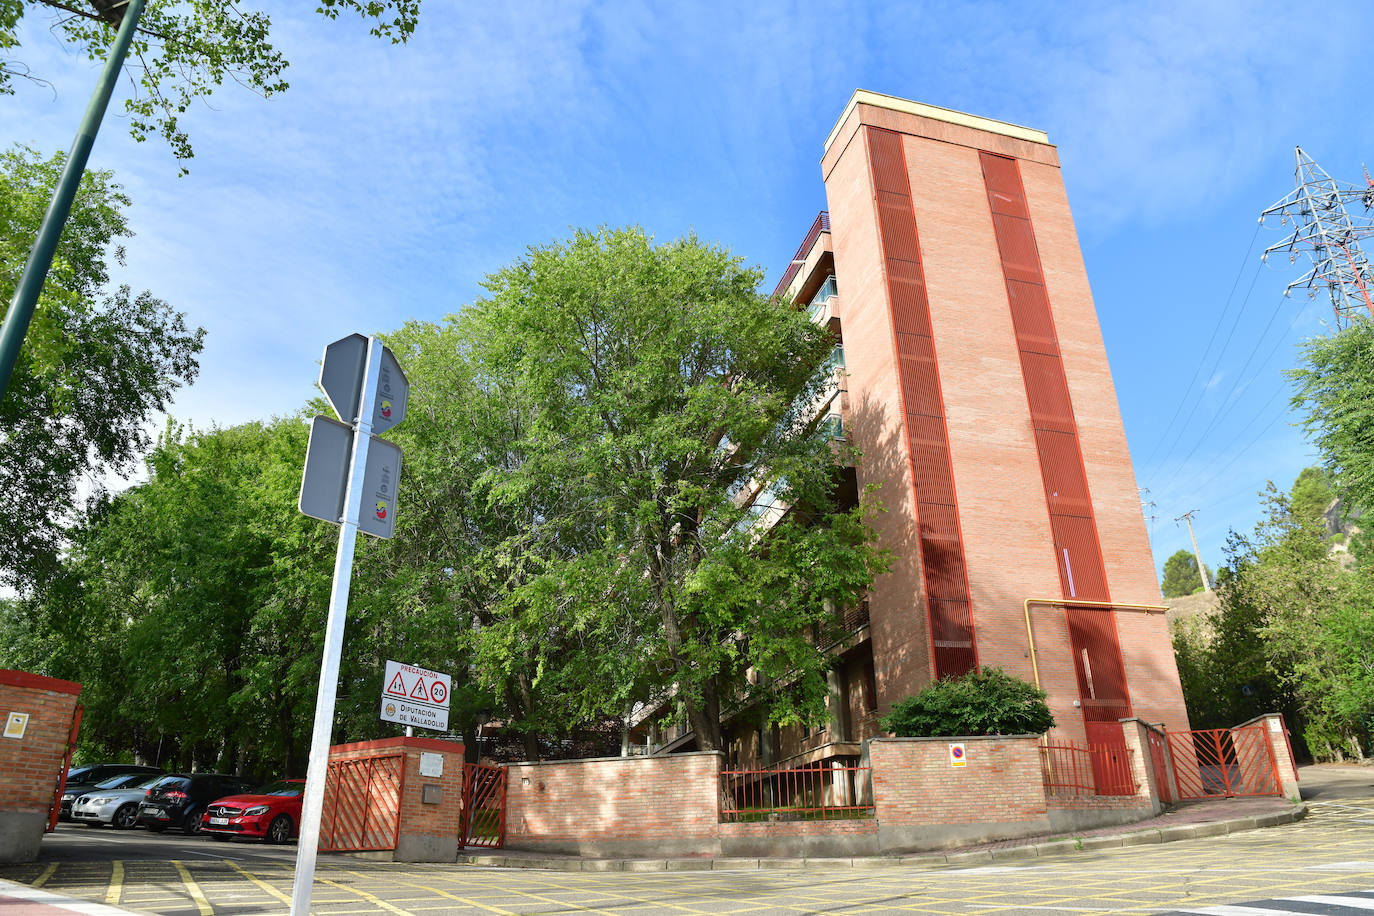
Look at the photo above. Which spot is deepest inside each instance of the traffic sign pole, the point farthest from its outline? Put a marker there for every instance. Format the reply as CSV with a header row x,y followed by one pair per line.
x,y
312,807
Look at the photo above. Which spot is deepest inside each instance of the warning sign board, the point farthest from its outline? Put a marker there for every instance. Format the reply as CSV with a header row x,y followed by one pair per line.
x,y
957,756
415,696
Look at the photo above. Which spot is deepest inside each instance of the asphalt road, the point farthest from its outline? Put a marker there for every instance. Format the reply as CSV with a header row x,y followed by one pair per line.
x,y
1323,864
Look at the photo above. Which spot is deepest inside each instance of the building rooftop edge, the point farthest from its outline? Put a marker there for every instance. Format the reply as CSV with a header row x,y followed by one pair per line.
x,y
892,102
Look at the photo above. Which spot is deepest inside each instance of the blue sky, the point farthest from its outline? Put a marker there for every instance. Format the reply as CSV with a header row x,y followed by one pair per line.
x,y
389,180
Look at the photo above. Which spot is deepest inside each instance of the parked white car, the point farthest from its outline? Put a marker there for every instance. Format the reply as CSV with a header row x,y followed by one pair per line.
x,y
117,807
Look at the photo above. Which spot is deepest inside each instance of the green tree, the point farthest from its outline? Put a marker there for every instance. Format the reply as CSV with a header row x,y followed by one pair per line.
x,y
1180,575
1311,496
186,49
98,365
649,390
191,606
1334,386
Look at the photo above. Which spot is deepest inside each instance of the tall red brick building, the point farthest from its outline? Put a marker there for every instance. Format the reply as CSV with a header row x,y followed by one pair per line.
x,y
977,386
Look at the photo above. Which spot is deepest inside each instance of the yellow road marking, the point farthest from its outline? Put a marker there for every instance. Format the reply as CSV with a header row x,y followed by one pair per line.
x,y
284,898
43,876
116,883
193,889
370,898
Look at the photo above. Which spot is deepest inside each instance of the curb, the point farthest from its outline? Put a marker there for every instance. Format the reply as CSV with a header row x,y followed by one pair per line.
x,y
957,858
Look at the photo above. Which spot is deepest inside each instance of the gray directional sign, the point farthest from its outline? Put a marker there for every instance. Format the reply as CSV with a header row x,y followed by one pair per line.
x,y
341,375
378,516
326,478
393,390
326,470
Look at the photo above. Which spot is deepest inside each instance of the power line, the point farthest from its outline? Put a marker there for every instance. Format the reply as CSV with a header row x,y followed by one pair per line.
x,y
1235,386
1211,372
1187,389
1259,371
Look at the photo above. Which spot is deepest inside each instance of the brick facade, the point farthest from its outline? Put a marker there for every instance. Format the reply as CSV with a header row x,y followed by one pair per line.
x,y
1005,481
31,766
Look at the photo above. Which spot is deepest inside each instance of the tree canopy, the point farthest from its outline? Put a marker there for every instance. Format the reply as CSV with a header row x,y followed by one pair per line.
x,y
653,405
616,489
1181,575
186,49
1334,387
1292,633
98,364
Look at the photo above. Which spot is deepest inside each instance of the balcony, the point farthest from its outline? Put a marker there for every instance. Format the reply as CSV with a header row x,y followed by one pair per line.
x,y
811,265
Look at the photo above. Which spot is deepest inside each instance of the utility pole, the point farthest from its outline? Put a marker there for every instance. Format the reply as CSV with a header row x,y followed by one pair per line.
x,y
1202,570
123,13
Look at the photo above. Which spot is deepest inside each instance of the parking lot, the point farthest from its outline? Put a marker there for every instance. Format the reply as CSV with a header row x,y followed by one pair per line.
x,y
1331,852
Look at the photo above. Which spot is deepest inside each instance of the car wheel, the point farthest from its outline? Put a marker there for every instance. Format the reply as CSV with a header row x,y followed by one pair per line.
x,y
190,825
125,817
279,831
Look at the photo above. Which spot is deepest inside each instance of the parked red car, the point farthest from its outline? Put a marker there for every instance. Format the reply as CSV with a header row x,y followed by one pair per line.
x,y
271,812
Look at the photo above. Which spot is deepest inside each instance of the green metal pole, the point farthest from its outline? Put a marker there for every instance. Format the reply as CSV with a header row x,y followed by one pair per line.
x,y
40,257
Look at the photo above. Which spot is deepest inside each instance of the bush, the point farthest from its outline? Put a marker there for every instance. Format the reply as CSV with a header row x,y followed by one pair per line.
x,y
987,701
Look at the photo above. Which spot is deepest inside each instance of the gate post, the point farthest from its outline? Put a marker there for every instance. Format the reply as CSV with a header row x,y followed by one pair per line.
x,y
1285,768
1137,737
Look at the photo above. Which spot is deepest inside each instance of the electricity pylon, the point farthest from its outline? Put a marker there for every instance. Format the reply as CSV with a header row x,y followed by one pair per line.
x,y
1329,235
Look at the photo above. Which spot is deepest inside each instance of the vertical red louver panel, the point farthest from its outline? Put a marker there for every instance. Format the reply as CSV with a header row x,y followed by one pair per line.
x,y
946,593
1078,553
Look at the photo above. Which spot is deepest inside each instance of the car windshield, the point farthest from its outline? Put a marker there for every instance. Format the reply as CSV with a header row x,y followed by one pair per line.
x,y
75,774
122,781
172,782
284,787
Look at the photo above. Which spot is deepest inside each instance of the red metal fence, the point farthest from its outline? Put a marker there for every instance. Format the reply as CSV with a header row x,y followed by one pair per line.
x,y
1224,762
1074,769
484,806
822,792
822,224
1159,759
362,804
66,765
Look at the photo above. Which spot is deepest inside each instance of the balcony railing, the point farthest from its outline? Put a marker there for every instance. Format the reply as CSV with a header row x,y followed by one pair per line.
x,y
822,224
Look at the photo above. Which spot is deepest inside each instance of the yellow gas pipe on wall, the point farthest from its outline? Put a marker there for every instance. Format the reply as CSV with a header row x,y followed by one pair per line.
x,y
1064,602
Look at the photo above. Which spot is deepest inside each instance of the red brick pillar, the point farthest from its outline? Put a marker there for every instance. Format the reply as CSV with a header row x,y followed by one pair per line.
x,y
1284,766
36,717
1137,735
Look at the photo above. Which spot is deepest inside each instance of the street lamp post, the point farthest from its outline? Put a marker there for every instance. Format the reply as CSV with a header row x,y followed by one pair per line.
x,y
126,13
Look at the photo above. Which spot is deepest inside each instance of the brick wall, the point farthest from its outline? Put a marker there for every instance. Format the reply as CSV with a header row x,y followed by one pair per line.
x,y
638,806
30,767
923,802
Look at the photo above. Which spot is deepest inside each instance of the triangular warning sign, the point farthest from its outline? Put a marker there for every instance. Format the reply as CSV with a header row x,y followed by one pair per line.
x,y
418,692
397,686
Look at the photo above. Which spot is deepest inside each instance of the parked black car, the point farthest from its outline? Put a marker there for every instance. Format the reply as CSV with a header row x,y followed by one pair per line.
x,y
179,799
81,780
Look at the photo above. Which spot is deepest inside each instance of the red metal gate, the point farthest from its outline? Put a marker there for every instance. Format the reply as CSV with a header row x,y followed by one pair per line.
x,y
484,806
66,765
362,804
1159,758
1224,762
